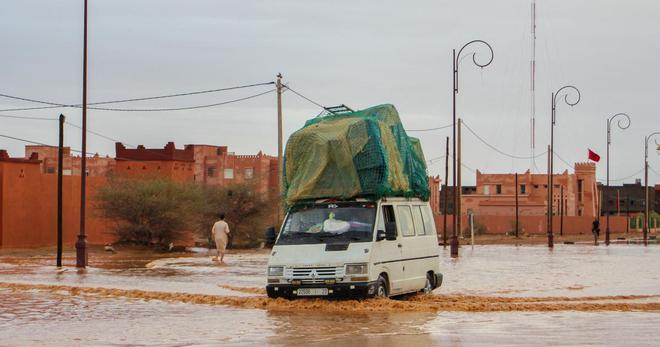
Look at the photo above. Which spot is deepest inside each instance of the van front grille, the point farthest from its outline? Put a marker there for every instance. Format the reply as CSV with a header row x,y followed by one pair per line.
x,y
314,273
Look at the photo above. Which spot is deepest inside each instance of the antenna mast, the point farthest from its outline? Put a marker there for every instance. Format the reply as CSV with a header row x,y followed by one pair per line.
x,y
532,66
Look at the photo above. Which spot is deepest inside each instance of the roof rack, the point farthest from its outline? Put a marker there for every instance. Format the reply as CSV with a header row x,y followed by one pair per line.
x,y
339,109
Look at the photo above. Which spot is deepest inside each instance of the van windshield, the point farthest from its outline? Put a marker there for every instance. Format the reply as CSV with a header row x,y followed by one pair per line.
x,y
329,223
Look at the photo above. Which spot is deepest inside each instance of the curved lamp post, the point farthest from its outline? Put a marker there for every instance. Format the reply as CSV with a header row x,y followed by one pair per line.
x,y
456,61
623,123
567,90
646,184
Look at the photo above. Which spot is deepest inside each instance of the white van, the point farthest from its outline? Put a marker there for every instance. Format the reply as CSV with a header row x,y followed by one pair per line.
x,y
356,248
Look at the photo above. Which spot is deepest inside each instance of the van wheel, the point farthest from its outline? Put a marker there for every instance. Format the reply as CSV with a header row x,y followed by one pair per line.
x,y
428,286
381,287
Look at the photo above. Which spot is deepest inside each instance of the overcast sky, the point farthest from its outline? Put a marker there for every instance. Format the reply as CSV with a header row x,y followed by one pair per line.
x,y
359,53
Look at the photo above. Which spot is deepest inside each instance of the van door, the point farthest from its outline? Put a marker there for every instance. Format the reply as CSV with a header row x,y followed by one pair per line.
x,y
387,254
409,249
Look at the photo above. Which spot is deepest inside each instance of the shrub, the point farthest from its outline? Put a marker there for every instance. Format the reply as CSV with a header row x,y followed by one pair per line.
x,y
148,212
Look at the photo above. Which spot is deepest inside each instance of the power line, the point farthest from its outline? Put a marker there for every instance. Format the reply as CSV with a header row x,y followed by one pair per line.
x,y
58,105
37,143
431,129
304,97
498,150
27,117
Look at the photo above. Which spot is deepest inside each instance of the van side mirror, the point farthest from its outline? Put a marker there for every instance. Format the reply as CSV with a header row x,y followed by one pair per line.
x,y
271,236
380,235
390,231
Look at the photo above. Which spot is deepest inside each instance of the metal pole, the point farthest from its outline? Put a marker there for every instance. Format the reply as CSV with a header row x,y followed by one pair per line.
x,y
550,172
280,145
516,188
444,229
454,238
561,210
60,160
607,214
646,191
81,244
456,216
646,185
459,183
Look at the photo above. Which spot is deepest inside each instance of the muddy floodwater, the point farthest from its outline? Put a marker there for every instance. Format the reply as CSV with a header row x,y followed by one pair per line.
x,y
506,295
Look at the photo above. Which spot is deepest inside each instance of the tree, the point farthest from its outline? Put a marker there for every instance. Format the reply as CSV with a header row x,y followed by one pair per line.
x,y
248,211
150,212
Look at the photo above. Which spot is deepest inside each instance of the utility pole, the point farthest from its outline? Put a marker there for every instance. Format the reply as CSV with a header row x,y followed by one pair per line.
x,y
551,241
81,244
646,185
516,189
280,145
622,126
459,191
455,63
444,217
60,160
561,210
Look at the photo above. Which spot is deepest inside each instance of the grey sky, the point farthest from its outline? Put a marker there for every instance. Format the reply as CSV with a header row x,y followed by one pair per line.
x,y
360,53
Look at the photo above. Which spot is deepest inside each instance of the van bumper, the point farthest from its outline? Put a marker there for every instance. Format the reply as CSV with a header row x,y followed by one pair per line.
x,y
338,290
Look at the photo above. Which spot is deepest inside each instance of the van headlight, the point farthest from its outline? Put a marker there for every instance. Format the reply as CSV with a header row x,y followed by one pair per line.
x,y
276,271
356,269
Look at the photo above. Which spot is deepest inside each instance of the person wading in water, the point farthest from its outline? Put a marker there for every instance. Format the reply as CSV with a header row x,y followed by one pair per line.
x,y
595,229
220,233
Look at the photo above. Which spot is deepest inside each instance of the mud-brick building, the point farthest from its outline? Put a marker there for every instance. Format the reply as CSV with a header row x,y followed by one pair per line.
x,y
495,194
96,165
166,162
215,165
28,205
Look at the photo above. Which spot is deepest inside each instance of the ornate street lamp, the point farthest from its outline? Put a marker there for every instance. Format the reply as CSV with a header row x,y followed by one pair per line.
x,y
456,61
646,184
623,124
567,90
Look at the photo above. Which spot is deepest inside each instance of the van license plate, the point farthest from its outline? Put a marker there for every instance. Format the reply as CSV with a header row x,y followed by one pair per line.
x,y
312,291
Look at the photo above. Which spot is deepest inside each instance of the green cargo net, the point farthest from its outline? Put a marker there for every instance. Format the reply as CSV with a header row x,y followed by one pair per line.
x,y
365,153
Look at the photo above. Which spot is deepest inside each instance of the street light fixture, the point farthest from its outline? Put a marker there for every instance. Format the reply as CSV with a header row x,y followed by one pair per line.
x,y
646,184
456,61
567,89
623,124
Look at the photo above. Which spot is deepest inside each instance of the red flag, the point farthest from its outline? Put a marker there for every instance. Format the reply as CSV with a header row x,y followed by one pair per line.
x,y
593,156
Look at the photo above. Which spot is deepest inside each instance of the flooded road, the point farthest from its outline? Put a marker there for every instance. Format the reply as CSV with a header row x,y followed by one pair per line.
x,y
572,295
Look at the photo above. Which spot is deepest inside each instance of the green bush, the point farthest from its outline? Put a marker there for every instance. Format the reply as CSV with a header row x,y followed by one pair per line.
x,y
148,212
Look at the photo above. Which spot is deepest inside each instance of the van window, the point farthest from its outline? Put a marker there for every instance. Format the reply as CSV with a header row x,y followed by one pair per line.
x,y
405,220
429,223
419,221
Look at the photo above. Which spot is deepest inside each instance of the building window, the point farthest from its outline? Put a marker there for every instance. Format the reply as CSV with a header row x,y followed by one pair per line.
x,y
50,170
229,174
486,190
498,189
249,173
536,186
523,189
210,171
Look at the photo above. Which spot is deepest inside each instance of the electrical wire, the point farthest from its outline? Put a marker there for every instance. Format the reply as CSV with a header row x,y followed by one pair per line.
x,y
304,97
498,150
430,129
27,117
58,105
37,143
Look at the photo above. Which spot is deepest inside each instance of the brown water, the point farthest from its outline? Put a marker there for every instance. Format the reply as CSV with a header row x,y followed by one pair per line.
x,y
573,295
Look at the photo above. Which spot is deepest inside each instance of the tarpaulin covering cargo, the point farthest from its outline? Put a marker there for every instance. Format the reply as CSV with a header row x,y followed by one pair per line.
x,y
365,153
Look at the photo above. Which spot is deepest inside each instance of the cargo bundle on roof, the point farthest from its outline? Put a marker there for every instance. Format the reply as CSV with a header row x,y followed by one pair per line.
x,y
365,153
